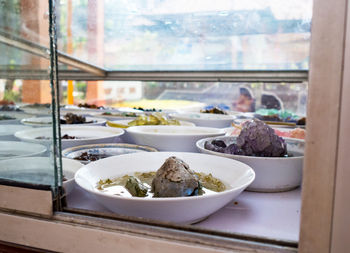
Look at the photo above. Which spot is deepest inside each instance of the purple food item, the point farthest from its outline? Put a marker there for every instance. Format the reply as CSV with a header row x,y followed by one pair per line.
x,y
259,139
212,146
255,139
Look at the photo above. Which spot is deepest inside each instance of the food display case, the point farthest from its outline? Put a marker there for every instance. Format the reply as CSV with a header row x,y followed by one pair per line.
x,y
161,126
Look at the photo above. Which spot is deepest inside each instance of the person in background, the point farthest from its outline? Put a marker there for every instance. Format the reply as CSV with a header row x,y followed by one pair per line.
x,y
245,102
271,101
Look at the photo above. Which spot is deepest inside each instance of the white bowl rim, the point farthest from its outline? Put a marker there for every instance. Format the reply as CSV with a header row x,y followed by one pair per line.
x,y
168,199
215,131
209,116
202,141
118,132
35,121
100,145
125,121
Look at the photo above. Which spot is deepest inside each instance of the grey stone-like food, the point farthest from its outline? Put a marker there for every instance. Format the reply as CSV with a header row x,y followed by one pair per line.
x,y
175,179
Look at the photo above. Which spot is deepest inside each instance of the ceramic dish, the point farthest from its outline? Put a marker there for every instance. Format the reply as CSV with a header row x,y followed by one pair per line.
x,y
126,121
236,175
205,119
16,149
38,170
273,174
47,121
104,150
7,130
171,138
84,134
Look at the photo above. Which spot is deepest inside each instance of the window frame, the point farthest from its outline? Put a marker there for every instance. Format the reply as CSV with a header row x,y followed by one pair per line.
x,y
320,203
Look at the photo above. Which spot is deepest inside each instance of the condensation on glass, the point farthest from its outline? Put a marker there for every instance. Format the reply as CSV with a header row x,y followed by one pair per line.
x,y
26,144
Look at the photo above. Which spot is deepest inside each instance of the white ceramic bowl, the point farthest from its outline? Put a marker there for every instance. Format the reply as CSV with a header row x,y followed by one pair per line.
x,y
85,134
171,138
47,121
273,174
108,149
236,175
38,170
205,119
16,149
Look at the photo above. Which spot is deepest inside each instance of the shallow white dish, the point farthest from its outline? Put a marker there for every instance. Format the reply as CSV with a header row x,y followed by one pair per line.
x,y
85,135
108,149
179,209
47,121
273,174
10,129
171,138
16,149
205,119
38,170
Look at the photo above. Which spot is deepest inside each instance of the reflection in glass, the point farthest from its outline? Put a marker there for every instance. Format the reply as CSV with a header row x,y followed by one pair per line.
x,y
24,158
187,34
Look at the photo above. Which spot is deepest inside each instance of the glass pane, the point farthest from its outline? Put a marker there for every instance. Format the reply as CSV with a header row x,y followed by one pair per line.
x,y
26,132
186,95
258,214
187,35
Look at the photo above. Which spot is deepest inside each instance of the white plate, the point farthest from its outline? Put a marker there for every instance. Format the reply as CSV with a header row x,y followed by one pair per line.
x,y
171,138
47,121
109,149
38,170
10,129
273,174
85,134
16,149
179,209
205,119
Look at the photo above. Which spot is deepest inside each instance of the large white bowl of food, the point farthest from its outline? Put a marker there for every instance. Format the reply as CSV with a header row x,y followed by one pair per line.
x,y
171,138
168,186
205,119
72,135
277,161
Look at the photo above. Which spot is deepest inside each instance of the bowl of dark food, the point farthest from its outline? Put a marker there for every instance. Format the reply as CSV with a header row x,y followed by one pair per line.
x,y
205,119
277,161
90,153
72,135
176,187
66,119
39,170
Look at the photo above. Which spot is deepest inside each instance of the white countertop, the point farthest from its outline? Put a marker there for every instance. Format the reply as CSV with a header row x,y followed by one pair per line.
x,y
268,215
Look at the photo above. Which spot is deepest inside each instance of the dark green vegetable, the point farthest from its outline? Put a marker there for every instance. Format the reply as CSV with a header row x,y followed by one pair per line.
x,y
136,187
